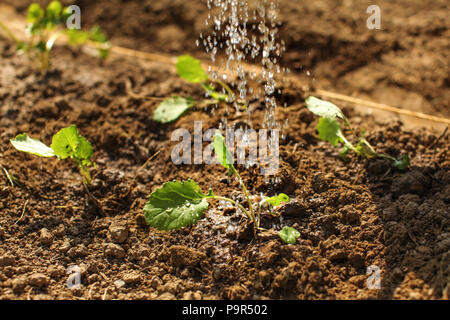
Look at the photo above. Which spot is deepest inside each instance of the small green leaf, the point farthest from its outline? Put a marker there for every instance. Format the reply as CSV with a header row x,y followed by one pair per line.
x,y
171,109
66,142
323,108
176,205
289,235
330,130
190,69
54,10
84,151
402,162
278,199
77,37
223,156
96,34
35,13
24,143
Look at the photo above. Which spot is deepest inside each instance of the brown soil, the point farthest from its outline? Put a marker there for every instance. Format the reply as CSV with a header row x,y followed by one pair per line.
x,y
350,215
404,64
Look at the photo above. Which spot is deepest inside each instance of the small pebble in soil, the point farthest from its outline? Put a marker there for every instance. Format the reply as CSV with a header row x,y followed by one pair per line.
x,y
93,278
78,251
7,260
65,246
119,284
155,282
132,278
55,271
19,283
118,232
46,237
191,295
38,280
166,296
114,250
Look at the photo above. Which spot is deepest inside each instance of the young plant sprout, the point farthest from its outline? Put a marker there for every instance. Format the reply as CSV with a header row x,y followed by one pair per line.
x,y
179,204
190,69
289,235
45,26
330,130
67,143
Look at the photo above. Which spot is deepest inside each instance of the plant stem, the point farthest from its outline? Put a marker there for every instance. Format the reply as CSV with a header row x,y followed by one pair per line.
x,y
247,195
347,143
386,156
230,92
226,87
233,203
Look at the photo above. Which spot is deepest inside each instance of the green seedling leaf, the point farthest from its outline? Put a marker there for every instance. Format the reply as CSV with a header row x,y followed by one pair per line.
x,y
96,34
289,235
69,143
402,162
323,108
277,200
190,69
222,154
66,142
330,130
77,37
35,13
24,143
54,10
84,151
176,205
171,109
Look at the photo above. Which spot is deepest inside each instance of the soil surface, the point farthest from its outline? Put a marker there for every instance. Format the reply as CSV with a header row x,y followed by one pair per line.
x,y
404,64
351,216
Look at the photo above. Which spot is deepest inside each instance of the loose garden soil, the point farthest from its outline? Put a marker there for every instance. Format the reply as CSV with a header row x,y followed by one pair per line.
x,y
350,215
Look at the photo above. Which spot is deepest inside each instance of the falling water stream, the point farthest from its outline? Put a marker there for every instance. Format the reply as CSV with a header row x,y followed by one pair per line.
x,y
246,30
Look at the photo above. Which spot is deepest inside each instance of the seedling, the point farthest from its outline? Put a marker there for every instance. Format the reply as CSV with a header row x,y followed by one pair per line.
x,y
46,26
289,235
179,204
190,69
67,143
330,130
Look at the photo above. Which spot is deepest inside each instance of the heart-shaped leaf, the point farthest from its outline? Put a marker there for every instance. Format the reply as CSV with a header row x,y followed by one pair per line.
x,y
330,130
176,205
190,69
171,109
323,108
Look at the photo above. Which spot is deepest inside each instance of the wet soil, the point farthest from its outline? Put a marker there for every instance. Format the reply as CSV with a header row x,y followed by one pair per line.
x,y
351,216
